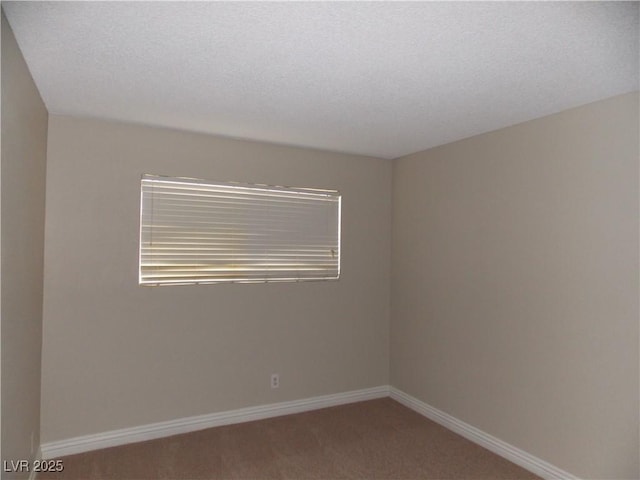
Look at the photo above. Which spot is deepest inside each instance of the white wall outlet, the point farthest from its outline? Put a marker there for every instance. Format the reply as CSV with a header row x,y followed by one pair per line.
x,y
275,380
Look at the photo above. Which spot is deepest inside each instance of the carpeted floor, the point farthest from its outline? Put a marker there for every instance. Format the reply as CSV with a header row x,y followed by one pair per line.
x,y
377,439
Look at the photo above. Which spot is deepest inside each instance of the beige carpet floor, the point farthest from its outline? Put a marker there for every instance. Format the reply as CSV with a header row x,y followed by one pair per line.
x,y
377,439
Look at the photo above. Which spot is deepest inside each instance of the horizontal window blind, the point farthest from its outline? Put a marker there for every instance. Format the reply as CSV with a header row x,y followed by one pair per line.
x,y
194,231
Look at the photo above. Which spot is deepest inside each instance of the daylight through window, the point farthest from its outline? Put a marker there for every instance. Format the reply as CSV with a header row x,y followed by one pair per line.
x,y
195,231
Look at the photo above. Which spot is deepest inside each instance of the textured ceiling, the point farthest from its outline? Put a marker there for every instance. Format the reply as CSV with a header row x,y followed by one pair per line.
x,y
383,79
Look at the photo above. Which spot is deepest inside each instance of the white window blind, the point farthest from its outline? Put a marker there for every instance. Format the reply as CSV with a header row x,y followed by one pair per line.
x,y
195,231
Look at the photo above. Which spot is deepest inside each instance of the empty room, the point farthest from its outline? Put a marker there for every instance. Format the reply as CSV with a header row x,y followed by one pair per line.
x,y
320,240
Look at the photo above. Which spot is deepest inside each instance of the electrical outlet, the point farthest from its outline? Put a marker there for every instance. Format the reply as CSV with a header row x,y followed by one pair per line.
x,y
275,380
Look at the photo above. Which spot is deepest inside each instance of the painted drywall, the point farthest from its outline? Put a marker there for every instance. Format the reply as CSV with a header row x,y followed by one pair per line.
x,y
118,355
24,147
515,285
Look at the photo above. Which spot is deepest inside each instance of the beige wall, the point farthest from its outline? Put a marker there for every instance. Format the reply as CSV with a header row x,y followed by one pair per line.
x,y
515,285
24,144
118,355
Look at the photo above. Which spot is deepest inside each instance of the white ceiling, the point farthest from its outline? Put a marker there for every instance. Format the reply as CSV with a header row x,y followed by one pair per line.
x,y
383,78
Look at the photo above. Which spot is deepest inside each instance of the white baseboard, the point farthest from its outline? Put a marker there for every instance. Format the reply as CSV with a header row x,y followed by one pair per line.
x,y
152,431
497,446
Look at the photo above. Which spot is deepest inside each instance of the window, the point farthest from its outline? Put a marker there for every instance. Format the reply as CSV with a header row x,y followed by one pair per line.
x,y
195,231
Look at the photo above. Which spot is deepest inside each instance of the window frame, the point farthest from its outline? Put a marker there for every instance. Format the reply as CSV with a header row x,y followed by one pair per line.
x,y
306,193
